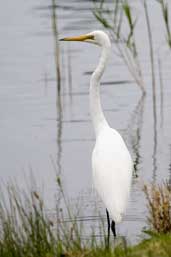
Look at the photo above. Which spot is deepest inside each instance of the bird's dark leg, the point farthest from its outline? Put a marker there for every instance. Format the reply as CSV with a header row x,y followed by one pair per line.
x,y
113,228
108,227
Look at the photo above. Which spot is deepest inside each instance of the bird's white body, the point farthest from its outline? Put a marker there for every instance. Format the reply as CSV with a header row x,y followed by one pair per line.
x,y
111,161
112,171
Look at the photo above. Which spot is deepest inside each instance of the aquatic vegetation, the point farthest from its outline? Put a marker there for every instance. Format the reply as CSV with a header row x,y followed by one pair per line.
x,y
121,23
159,206
56,45
27,229
165,13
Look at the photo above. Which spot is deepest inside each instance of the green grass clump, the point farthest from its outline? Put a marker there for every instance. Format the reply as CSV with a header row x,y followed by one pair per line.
x,y
157,246
26,230
159,206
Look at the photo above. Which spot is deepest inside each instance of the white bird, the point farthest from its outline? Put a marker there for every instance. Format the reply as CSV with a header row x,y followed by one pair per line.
x,y
111,161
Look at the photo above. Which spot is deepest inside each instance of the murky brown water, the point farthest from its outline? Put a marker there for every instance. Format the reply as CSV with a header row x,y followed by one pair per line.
x,y
35,128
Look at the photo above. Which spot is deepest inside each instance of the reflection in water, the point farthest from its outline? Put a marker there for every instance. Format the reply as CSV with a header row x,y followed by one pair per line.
x,y
58,95
154,155
58,166
161,93
117,82
170,167
25,101
56,45
69,72
59,132
135,133
151,49
45,82
58,83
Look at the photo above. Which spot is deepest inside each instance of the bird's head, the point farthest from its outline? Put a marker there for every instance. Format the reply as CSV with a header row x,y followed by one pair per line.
x,y
96,37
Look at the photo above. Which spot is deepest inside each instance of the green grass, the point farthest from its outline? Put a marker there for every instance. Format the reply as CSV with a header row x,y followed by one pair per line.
x,y
157,246
27,231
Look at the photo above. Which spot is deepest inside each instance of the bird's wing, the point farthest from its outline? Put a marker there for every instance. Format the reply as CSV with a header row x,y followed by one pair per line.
x,y
112,170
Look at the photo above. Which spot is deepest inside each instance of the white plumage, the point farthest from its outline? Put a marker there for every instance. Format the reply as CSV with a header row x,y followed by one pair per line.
x,y
111,161
112,168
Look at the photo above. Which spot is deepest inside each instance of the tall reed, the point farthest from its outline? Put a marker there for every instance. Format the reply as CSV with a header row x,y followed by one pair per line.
x,y
56,45
152,59
28,229
165,12
116,21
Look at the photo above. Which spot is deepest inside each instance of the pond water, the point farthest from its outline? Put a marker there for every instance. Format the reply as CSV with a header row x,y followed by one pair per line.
x,y
39,130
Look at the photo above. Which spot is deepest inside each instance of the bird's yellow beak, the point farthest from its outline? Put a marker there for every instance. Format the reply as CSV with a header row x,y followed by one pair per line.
x,y
84,37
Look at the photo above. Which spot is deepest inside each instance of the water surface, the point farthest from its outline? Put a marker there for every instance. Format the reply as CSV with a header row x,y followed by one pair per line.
x,y
38,129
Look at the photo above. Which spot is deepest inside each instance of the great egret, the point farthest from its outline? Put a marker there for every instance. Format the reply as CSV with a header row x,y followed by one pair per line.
x,y
111,160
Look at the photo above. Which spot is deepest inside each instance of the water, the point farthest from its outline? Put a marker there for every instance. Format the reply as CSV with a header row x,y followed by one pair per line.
x,y
37,129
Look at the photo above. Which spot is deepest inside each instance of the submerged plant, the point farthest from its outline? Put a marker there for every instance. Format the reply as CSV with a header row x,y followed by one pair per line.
x,y
159,206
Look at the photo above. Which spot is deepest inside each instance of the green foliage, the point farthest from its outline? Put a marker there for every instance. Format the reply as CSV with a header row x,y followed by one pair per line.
x,y
128,15
121,22
159,205
122,10
27,231
104,21
25,228
165,11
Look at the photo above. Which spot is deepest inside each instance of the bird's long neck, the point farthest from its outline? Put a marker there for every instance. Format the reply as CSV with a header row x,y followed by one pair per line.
x,y
97,115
